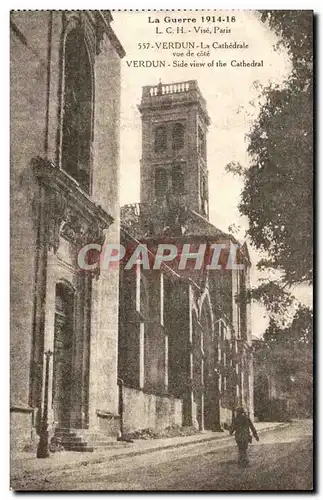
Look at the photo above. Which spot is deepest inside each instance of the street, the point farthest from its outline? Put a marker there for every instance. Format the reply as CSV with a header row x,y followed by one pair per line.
x,y
281,460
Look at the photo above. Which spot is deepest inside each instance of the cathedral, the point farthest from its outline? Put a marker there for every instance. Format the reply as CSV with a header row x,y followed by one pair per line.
x,y
98,354
184,352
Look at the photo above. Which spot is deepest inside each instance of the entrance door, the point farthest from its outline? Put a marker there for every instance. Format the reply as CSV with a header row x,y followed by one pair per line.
x,y
63,345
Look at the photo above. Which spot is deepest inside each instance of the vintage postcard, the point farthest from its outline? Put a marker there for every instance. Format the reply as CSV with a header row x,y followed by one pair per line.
x,y
161,250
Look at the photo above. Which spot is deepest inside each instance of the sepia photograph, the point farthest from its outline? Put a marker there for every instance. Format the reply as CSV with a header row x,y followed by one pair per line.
x,y
161,250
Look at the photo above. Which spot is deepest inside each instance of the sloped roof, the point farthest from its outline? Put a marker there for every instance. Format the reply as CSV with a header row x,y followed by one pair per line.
x,y
136,219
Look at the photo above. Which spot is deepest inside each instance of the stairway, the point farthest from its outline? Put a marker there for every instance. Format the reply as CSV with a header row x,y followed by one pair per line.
x,y
71,440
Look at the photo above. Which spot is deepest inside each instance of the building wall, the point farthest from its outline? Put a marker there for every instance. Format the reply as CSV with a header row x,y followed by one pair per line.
x,y
225,416
28,84
106,189
194,374
37,63
153,348
149,411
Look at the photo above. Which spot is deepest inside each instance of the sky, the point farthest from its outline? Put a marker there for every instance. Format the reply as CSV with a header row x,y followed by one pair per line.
x,y
231,97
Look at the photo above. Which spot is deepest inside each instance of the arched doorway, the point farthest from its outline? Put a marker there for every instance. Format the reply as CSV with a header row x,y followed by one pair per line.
x,y
63,352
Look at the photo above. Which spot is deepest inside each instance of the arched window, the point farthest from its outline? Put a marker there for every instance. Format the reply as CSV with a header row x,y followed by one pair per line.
x,y
204,194
160,139
77,113
201,142
178,136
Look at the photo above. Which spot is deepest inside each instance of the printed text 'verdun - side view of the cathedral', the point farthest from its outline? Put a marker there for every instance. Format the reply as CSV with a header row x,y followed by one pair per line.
x,y
131,348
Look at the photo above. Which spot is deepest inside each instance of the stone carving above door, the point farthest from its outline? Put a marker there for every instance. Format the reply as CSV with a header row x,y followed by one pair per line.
x,y
65,210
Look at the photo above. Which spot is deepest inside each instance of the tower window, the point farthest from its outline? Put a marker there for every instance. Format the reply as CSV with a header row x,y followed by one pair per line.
x,y
161,182
204,195
178,136
203,187
77,118
178,184
160,139
201,142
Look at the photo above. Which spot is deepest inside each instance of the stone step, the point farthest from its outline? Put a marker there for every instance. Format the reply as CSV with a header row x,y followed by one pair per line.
x,y
74,441
71,440
66,436
110,444
65,430
78,447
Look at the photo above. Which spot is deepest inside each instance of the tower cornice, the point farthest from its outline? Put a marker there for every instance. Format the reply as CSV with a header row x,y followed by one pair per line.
x,y
164,96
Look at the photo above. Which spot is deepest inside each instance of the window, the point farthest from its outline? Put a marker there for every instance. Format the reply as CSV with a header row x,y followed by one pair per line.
x,y
178,183
77,112
203,187
204,195
178,136
201,142
160,139
161,182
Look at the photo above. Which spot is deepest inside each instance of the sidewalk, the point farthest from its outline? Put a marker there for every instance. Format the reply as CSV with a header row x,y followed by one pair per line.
x,y
27,463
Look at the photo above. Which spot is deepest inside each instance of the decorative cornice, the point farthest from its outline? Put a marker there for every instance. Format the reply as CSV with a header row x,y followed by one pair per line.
x,y
22,409
67,210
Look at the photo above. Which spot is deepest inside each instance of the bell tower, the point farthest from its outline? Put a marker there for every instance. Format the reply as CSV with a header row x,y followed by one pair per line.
x,y
174,128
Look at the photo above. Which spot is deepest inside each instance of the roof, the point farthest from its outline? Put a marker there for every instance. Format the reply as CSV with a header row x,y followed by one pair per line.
x,y
149,225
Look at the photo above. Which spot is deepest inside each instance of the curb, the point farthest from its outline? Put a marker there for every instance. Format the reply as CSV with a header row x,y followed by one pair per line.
x,y
119,456
188,443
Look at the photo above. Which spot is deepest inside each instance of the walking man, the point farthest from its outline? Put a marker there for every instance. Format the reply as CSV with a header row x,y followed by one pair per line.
x,y
240,427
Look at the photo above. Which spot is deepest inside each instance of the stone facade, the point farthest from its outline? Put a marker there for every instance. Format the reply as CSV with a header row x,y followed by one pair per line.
x,y
149,411
65,88
126,349
183,333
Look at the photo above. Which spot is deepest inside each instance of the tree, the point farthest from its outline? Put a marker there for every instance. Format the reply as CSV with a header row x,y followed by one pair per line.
x,y
273,296
302,326
277,193
288,350
298,333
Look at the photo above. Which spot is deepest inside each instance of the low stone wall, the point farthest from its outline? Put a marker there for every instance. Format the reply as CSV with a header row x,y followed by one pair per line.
x,y
22,431
225,416
148,411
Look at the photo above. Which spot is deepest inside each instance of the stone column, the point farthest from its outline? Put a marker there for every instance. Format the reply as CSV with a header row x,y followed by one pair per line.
x,y
94,346
202,386
190,396
235,307
162,322
142,355
49,322
251,386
